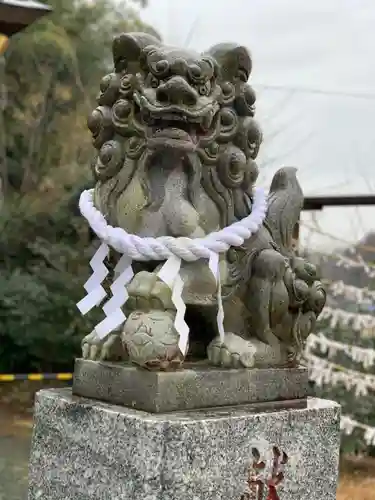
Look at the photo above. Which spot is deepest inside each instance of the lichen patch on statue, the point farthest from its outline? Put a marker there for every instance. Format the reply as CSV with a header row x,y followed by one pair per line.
x,y
176,144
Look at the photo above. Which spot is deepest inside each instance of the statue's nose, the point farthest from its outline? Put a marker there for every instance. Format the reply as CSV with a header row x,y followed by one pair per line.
x,y
177,91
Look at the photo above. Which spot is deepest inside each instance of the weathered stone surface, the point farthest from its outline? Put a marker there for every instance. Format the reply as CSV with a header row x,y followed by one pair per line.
x,y
85,450
197,386
176,144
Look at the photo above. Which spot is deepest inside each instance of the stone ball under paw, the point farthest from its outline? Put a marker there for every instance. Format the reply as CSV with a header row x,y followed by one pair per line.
x,y
151,339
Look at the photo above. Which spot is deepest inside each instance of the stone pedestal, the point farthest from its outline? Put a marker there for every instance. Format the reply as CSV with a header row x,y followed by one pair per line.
x,y
88,450
197,386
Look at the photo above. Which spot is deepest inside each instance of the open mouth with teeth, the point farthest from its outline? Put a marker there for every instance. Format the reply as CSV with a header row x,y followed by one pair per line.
x,y
175,126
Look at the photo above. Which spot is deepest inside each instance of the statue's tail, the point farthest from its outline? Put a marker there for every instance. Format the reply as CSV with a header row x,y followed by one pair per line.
x,y
285,202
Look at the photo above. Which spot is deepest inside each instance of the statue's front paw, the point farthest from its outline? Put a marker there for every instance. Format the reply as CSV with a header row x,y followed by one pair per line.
x,y
110,348
234,352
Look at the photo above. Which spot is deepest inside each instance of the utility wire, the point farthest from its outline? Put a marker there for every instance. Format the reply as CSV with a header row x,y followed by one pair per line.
x,y
369,96
192,30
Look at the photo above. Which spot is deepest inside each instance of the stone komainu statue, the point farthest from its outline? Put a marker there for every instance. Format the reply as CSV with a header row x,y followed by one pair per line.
x,y
177,141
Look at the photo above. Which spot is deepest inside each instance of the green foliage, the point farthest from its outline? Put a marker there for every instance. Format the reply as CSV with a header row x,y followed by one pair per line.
x,y
52,76
45,262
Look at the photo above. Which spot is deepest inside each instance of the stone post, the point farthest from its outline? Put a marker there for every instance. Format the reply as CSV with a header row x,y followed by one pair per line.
x,y
200,433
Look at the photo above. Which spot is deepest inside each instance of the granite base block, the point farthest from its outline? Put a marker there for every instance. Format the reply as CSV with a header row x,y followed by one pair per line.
x,y
196,386
88,450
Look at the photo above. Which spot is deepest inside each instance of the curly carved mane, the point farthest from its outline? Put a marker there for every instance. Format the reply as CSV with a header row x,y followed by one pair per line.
x,y
209,91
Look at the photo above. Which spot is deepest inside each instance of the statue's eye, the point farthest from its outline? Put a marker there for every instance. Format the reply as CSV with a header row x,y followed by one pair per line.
x,y
205,88
154,82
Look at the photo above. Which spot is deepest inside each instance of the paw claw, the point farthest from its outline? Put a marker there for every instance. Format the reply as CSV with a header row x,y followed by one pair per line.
x,y
85,351
226,359
236,361
94,348
234,352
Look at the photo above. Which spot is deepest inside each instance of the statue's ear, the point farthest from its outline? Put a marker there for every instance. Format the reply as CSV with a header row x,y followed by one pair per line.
x,y
127,48
234,61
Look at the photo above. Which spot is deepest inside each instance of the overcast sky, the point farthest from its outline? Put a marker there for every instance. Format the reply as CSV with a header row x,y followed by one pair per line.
x,y
314,72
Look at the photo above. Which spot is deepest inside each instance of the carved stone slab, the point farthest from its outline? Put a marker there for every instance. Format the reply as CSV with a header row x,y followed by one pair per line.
x,y
197,386
89,450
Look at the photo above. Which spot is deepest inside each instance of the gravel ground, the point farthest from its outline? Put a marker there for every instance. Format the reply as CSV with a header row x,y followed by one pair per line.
x,y
16,407
15,434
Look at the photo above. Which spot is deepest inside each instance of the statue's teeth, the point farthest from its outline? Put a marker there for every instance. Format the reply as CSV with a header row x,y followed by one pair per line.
x,y
143,101
207,121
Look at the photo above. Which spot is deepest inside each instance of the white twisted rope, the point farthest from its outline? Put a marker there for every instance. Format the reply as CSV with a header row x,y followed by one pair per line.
x,y
163,247
173,250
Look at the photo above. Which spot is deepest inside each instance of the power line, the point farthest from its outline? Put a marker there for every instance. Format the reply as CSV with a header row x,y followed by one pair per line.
x,y
191,31
369,96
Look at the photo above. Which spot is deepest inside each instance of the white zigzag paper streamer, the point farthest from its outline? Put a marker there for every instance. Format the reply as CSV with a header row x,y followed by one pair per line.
x,y
324,372
348,425
170,275
370,436
162,248
360,323
213,264
112,308
362,355
93,286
